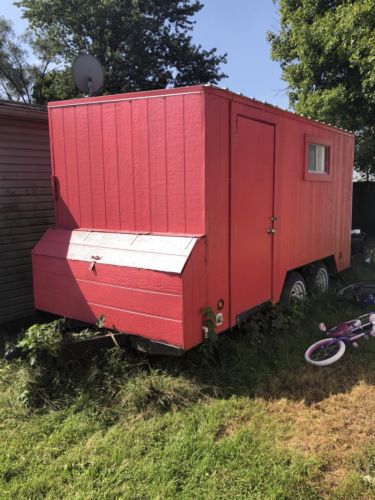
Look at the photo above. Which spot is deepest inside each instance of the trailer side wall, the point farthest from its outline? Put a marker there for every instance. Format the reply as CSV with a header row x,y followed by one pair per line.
x,y
313,214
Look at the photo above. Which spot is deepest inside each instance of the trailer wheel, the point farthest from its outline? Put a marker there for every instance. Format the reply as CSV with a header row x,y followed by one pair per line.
x,y
294,289
318,281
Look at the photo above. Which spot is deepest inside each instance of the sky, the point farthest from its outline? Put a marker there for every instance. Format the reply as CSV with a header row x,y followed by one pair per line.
x,y
237,27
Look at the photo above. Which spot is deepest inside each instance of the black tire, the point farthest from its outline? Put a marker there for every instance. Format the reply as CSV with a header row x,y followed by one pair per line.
x,y
318,279
294,289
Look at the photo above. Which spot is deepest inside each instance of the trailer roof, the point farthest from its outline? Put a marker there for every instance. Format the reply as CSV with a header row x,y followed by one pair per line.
x,y
196,89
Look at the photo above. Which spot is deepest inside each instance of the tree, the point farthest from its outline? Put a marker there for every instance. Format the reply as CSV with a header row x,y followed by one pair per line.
x,y
29,82
327,54
141,44
17,77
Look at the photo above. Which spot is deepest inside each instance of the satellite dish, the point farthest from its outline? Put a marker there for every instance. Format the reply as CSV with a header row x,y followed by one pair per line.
x,y
87,74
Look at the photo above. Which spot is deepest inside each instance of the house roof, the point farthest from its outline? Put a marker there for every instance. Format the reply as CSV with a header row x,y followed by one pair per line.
x,y
23,110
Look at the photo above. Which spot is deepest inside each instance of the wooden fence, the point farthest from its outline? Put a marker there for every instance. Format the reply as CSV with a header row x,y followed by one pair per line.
x,y
364,206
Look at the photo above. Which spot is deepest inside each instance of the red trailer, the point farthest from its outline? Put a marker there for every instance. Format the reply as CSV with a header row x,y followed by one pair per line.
x,y
171,201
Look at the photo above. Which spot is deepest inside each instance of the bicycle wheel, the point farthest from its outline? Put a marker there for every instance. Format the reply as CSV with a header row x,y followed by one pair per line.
x,y
325,352
356,292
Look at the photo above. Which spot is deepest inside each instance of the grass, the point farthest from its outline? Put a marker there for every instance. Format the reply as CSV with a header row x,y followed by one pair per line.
x,y
251,421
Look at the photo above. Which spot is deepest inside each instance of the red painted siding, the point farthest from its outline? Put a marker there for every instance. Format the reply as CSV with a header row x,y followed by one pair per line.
x,y
128,302
313,218
218,203
133,166
170,162
194,295
163,306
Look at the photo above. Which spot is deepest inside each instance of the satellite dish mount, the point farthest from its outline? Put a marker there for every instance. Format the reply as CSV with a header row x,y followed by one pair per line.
x,y
87,74
89,87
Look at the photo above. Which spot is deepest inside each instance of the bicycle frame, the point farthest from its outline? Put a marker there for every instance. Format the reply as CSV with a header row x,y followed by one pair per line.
x,y
349,339
329,350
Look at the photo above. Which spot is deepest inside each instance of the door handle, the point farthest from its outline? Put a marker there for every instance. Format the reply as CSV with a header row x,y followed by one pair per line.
x,y
271,230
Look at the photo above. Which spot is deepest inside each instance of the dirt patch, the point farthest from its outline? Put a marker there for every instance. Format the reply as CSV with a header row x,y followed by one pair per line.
x,y
228,429
336,428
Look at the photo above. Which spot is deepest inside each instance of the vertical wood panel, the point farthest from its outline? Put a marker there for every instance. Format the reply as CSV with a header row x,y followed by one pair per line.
x,y
194,164
111,166
96,163
336,188
188,300
348,160
125,165
194,282
217,203
72,181
63,215
84,167
344,229
158,170
141,166
175,164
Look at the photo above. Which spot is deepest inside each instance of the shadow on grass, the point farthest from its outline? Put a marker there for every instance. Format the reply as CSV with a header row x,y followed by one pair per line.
x,y
278,370
9,331
272,365
265,364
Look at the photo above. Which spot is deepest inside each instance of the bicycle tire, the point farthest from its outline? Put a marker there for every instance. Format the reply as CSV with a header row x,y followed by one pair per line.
x,y
352,293
320,346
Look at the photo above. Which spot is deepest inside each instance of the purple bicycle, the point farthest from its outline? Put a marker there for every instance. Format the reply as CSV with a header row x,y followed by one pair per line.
x,y
331,349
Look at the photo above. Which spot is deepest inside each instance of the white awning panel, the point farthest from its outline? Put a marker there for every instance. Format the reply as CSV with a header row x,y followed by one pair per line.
x,y
143,251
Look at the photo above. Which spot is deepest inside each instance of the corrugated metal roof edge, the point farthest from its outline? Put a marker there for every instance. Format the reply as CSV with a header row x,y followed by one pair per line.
x,y
278,108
